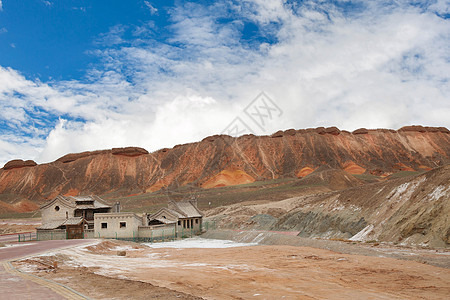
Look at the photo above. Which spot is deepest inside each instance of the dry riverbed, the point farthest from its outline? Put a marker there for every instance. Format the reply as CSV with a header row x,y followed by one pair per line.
x,y
235,271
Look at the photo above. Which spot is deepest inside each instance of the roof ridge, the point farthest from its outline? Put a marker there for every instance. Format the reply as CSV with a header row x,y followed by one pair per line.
x,y
177,208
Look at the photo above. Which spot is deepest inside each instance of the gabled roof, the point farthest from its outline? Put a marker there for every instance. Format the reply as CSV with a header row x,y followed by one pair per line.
x,y
187,208
158,215
177,210
165,221
61,199
71,201
56,224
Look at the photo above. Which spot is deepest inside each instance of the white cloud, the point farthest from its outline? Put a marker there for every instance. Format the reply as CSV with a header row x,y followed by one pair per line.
x,y
1,5
112,37
441,7
152,9
386,65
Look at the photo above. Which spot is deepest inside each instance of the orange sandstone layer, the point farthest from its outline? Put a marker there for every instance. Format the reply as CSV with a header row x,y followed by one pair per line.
x,y
222,160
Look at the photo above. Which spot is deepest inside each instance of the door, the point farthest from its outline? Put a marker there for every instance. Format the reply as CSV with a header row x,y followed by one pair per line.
x,y
75,232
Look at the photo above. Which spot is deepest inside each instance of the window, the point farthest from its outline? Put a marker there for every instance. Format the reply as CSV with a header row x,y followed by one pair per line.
x,y
104,225
179,223
123,224
57,208
196,221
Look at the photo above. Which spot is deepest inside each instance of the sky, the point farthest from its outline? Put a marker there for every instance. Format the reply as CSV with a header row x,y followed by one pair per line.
x,y
87,75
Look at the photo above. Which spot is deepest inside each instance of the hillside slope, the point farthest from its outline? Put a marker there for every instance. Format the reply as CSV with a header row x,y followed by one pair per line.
x,y
413,210
224,160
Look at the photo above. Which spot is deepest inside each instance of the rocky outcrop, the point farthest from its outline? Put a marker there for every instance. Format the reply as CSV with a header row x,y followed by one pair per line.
x,y
222,160
18,163
129,151
361,131
74,156
332,130
418,128
277,134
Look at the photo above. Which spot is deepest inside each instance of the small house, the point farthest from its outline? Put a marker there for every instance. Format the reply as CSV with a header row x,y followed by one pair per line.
x,y
117,225
184,214
70,228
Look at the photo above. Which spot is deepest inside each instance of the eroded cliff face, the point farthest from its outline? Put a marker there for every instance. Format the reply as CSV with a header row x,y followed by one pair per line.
x,y
411,211
223,160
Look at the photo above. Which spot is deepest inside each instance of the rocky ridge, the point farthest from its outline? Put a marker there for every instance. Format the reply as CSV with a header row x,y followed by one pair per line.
x,y
221,160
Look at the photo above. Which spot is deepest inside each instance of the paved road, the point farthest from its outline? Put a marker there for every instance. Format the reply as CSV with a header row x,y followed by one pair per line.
x,y
14,285
28,248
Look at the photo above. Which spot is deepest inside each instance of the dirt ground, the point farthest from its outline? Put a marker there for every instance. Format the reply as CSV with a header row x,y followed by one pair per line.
x,y
256,272
8,226
101,287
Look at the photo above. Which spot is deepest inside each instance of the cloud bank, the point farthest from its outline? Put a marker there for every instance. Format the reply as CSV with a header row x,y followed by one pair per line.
x,y
346,64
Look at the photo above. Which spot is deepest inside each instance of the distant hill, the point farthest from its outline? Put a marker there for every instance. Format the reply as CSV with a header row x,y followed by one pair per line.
x,y
222,160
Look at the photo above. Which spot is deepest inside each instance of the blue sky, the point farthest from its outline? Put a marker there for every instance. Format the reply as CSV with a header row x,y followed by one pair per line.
x,y
87,75
54,40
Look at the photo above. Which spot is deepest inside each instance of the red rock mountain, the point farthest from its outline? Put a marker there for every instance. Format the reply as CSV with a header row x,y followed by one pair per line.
x,y
222,160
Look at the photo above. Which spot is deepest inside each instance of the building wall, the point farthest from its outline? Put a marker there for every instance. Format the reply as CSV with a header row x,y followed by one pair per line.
x,y
168,231
192,223
89,233
59,234
51,213
113,225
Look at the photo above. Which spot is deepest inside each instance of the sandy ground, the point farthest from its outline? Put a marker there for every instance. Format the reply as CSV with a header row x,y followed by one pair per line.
x,y
9,226
245,272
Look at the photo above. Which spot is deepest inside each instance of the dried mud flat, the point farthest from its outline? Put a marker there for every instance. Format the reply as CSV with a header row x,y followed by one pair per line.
x,y
249,272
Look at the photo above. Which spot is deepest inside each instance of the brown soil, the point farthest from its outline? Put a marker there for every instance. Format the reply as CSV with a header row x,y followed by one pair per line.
x,y
261,272
15,228
18,207
106,246
291,272
228,177
101,287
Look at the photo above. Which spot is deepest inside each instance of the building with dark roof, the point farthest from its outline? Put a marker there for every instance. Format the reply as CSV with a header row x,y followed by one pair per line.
x,y
63,209
184,214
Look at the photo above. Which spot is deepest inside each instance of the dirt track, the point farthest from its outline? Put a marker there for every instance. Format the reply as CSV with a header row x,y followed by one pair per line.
x,y
259,272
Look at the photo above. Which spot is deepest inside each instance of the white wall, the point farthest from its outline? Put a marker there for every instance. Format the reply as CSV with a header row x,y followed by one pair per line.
x,y
51,214
113,221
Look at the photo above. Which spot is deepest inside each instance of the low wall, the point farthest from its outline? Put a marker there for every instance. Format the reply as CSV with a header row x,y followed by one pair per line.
x,y
89,234
157,232
55,234
60,234
141,234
